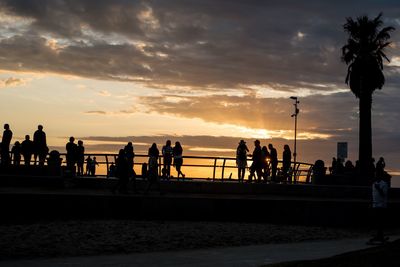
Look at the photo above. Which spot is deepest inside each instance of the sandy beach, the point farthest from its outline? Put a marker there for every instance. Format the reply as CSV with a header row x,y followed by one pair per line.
x,y
73,238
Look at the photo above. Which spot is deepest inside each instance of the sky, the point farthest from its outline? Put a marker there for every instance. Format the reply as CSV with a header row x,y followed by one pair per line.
x,y
207,73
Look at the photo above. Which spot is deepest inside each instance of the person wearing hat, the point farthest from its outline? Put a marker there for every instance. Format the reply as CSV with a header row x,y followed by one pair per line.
x,y
241,159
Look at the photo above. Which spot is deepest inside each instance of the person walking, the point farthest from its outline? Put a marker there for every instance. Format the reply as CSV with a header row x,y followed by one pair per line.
x,y
257,164
178,159
380,189
241,159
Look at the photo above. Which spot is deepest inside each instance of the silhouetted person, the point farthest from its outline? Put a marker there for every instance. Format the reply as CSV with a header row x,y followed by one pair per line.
x,y
167,152
122,173
339,166
54,162
241,159
380,168
257,164
380,189
152,174
266,159
130,155
111,170
80,157
178,159
5,145
286,162
333,169
274,162
71,148
40,145
89,165
16,153
93,165
318,172
348,167
27,149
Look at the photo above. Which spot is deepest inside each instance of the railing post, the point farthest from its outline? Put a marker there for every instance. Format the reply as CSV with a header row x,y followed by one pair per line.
x,y
108,175
159,166
223,170
215,166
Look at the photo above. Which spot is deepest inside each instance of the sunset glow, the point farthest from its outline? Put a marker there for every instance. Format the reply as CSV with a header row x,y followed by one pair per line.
x,y
148,69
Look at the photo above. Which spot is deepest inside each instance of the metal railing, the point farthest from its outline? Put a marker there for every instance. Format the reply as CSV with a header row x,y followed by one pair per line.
x,y
196,167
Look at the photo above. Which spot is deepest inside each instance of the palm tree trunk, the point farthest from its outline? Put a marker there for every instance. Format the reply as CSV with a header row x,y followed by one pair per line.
x,y
365,138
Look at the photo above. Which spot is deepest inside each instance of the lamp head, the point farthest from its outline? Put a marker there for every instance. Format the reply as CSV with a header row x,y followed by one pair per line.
x,y
293,97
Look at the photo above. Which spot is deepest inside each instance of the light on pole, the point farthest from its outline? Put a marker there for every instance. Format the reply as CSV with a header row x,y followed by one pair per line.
x,y
296,112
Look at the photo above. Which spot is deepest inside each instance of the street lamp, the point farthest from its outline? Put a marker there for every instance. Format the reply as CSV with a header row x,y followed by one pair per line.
x,y
296,112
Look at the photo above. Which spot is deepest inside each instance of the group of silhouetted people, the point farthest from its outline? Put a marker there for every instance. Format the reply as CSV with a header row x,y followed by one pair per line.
x,y
124,166
264,163
27,148
348,169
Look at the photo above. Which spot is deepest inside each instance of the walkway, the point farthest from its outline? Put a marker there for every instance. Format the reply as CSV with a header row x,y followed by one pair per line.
x,y
233,256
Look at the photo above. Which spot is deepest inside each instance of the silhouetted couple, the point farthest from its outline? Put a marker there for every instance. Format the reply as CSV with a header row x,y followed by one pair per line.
x,y
170,153
75,155
260,165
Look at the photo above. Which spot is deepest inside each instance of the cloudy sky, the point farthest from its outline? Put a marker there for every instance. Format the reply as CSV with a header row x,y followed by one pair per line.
x,y
205,72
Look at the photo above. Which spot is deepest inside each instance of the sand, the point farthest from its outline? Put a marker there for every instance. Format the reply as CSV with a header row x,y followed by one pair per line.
x,y
73,238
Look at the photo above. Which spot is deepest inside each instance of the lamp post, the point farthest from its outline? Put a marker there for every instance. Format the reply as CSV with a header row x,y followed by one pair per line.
x,y
296,112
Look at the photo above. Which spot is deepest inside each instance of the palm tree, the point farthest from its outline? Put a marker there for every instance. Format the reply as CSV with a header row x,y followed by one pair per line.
x,y
364,56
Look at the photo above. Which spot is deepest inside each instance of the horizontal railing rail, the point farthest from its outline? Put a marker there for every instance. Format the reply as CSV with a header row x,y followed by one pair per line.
x,y
197,167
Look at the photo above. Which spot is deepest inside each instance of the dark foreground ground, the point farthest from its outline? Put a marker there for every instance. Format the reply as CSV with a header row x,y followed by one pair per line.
x,y
73,238
387,255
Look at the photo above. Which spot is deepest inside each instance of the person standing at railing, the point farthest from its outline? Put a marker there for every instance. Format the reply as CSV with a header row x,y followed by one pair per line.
x,y
89,165
241,159
286,162
130,155
27,149
71,148
80,155
167,153
93,165
16,153
5,145
40,145
178,159
265,160
152,175
274,162
122,173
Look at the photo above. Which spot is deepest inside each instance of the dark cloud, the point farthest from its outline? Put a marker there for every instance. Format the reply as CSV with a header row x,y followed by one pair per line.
x,y
319,113
217,44
210,45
